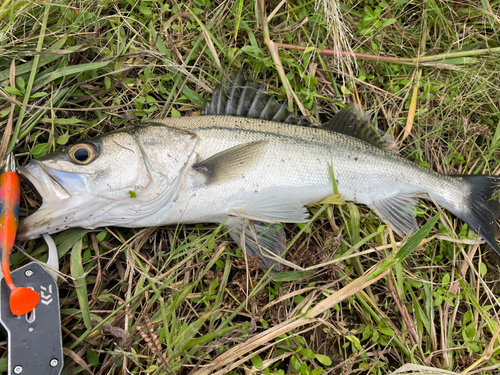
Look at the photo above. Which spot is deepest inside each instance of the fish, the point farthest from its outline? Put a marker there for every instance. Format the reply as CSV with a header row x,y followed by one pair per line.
x,y
249,163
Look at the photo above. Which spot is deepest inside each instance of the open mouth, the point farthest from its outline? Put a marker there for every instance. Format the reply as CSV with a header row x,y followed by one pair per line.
x,y
47,187
52,194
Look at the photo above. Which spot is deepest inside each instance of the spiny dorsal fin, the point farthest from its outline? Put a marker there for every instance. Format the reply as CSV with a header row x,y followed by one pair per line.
x,y
246,99
232,163
351,121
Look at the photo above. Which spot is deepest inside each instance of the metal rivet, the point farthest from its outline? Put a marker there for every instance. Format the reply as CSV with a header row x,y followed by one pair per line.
x,y
54,362
31,329
28,273
18,369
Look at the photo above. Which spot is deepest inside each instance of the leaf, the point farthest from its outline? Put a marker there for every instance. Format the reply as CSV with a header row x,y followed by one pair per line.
x,y
467,317
67,71
187,334
92,358
12,90
68,238
78,274
324,359
193,96
68,121
307,353
389,22
386,331
146,11
257,361
45,59
107,82
291,275
416,239
101,236
38,95
483,269
333,199
460,61
151,369
413,107
63,139
251,50
303,225
75,357
212,287
39,150
4,112
175,113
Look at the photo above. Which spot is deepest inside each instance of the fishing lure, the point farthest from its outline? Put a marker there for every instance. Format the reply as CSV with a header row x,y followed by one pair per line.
x,y
22,300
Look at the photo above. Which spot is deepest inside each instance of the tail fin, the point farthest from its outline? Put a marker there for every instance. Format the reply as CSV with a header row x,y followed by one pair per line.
x,y
482,210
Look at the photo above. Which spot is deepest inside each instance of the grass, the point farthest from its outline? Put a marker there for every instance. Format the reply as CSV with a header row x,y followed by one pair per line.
x,y
181,299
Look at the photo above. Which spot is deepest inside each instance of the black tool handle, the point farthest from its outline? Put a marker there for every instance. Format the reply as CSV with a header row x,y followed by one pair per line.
x,y
35,339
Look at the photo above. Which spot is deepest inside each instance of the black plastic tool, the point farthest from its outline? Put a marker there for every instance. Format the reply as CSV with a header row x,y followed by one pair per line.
x,y
35,339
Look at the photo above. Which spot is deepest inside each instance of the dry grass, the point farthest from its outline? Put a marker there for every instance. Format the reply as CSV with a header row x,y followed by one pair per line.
x,y
177,299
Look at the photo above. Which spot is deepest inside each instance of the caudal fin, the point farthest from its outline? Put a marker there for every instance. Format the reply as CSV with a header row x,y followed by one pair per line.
x,y
482,209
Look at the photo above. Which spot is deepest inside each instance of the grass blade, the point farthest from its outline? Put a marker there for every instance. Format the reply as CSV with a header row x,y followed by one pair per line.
x,y
80,284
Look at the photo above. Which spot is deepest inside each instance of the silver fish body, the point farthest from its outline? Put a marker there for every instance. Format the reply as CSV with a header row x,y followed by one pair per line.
x,y
237,170
294,165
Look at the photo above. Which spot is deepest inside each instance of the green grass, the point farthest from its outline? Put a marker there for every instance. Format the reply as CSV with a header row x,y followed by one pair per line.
x,y
181,299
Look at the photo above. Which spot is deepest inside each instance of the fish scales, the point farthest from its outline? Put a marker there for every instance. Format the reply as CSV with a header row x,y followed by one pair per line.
x,y
300,158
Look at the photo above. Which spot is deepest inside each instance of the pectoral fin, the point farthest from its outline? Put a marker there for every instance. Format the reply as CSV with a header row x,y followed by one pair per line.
x,y
397,211
232,163
270,241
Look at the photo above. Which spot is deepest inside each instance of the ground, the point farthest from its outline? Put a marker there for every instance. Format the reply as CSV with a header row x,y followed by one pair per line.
x,y
182,299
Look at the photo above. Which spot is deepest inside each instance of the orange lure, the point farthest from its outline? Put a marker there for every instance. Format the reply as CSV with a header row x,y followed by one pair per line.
x,y
22,300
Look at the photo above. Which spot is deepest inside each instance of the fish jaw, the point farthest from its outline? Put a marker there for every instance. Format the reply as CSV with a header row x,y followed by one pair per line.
x,y
60,209
49,189
68,202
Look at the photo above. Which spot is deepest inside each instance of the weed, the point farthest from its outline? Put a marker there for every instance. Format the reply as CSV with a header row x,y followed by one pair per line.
x,y
182,299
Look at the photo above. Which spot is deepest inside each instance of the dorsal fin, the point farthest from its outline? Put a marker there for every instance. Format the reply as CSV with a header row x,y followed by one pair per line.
x,y
246,99
353,122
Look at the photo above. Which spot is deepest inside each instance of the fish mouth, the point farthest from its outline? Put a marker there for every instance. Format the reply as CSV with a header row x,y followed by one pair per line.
x,y
49,189
54,197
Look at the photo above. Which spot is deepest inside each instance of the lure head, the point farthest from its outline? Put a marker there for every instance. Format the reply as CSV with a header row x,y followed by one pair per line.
x,y
9,164
114,179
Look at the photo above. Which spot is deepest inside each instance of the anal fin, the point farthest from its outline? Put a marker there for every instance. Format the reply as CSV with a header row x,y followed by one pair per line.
x,y
270,241
397,210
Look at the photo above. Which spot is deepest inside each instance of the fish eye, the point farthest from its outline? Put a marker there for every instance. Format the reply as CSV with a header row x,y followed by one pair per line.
x,y
82,153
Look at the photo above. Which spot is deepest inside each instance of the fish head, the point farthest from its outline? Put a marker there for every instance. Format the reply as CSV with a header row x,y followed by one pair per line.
x,y
114,179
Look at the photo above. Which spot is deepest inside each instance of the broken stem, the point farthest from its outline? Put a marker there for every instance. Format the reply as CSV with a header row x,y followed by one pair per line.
x,y
399,60
273,50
